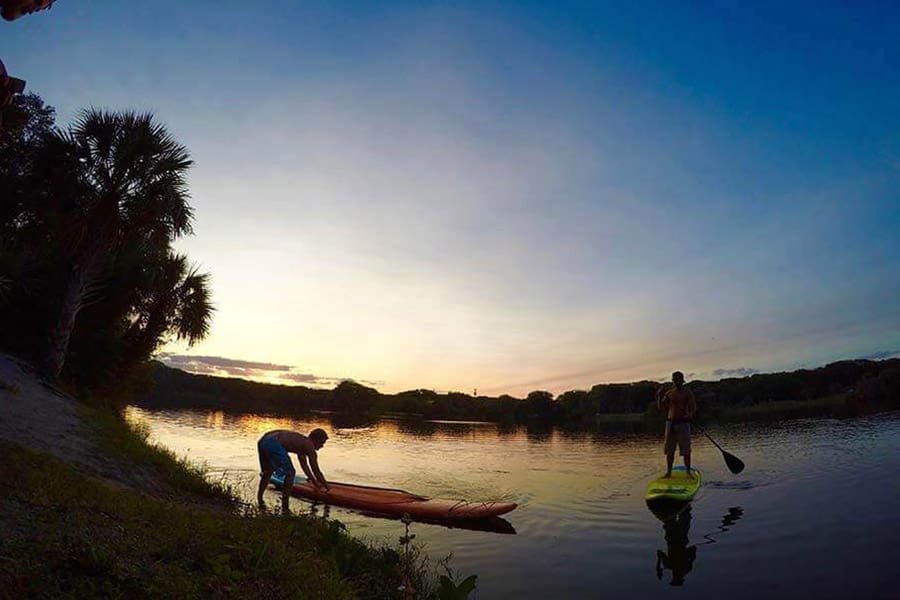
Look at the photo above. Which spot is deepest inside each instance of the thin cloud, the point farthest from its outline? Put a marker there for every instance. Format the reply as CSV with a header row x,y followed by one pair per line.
x,y
309,378
219,362
738,372
246,369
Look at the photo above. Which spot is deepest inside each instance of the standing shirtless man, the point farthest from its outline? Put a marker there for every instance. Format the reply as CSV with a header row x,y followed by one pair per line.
x,y
273,448
680,407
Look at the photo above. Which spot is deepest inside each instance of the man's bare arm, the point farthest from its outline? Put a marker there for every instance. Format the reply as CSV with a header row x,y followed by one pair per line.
x,y
692,403
314,463
301,458
661,397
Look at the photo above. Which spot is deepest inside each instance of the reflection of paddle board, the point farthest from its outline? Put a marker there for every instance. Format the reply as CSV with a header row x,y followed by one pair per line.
x,y
677,488
390,502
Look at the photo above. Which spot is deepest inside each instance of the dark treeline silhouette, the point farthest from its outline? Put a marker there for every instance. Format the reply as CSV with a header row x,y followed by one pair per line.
x,y
89,283
857,384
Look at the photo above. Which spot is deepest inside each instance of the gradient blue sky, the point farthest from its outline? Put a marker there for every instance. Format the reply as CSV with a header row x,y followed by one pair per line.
x,y
514,196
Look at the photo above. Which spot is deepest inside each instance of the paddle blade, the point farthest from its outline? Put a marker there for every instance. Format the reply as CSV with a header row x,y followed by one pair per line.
x,y
735,465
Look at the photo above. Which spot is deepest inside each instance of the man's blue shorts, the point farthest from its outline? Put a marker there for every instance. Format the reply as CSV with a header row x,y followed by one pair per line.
x,y
273,457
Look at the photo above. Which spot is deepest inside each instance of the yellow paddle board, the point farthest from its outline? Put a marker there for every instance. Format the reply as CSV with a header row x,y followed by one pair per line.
x,y
677,488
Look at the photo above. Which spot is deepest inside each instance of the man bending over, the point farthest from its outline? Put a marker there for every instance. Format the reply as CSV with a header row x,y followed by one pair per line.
x,y
273,448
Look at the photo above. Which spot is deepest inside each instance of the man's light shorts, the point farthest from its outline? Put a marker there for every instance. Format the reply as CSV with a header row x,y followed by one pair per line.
x,y
678,434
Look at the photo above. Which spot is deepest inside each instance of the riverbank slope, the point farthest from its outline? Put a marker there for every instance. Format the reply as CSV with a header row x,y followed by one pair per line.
x,y
86,499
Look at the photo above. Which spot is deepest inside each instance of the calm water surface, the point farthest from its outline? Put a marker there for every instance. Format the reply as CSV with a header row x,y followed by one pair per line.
x,y
815,513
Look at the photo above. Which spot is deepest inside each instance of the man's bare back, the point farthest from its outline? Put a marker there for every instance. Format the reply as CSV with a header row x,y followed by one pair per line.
x,y
293,441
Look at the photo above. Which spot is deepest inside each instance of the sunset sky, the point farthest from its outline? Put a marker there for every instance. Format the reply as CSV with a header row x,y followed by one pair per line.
x,y
512,197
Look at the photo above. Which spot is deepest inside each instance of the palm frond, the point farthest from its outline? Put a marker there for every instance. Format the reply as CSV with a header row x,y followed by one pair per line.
x,y
195,307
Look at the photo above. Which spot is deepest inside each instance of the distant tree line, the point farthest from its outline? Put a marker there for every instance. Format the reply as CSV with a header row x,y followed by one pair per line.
x,y
863,383
90,285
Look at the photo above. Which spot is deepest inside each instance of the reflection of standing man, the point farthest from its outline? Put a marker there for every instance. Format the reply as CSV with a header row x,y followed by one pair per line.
x,y
679,557
680,407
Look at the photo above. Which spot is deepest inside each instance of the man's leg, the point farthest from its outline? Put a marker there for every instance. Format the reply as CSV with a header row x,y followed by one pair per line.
x,y
286,491
669,448
685,443
265,472
264,478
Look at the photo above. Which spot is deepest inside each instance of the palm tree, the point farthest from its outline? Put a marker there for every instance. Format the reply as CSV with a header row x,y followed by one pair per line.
x,y
174,299
119,174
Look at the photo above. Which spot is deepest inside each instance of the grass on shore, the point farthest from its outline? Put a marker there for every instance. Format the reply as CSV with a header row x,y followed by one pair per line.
x,y
66,534
130,443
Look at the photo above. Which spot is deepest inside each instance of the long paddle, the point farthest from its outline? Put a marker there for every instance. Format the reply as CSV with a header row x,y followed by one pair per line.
x,y
735,465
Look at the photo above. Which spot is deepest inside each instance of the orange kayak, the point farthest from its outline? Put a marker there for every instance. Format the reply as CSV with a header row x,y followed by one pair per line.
x,y
391,502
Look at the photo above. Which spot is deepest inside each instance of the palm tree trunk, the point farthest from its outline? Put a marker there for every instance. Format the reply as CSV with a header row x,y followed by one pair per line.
x,y
58,338
78,288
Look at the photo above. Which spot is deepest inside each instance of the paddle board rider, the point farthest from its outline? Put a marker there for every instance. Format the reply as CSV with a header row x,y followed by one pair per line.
x,y
273,448
680,407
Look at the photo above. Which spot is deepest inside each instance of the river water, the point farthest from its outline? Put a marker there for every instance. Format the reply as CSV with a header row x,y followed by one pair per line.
x,y
814,514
